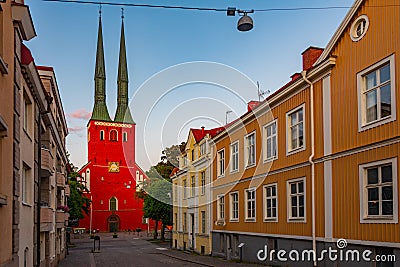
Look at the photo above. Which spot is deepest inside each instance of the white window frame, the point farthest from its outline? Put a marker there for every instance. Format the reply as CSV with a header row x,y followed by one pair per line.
x,y
221,169
362,124
203,148
184,185
266,198
289,200
192,185
247,150
221,212
116,203
246,201
234,157
203,182
231,206
364,218
265,139
26,185
203,221
290,150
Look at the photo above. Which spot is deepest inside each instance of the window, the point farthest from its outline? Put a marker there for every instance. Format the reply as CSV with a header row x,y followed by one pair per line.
x,y
113,135
250,149
295,134
235,156
203,222
203,148
376,94
184,189
185,160
113,204
250,204
193,186
359,28
101,135
296,201
379,191
271,202
192,158
270,145
234,198
221,207
184,222
26,185
203,182
27,113
221,162
125,137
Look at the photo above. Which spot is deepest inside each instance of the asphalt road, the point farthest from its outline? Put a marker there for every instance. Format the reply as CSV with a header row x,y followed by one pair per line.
x,y
129,250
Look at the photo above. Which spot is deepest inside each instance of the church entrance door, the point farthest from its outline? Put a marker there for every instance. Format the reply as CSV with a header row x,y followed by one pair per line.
x,y
113,223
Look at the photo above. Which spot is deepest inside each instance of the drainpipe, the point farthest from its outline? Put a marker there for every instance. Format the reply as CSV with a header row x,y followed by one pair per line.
x,y
310,159
39,199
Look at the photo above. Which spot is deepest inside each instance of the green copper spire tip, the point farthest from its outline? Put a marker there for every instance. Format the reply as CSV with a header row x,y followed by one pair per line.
x,y
123,113
100,111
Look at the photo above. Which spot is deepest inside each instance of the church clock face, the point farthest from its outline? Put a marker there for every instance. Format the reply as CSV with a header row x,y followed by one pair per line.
x,y
113,166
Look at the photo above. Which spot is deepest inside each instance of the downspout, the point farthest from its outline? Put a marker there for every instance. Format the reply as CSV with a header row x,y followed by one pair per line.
x,y
39,199
311,160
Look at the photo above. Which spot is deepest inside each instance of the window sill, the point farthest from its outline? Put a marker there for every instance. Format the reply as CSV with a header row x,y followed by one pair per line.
x,y
270,219
269,160
250,166
234,171
376,123
379,219
221,176
296,150
297,220
234,220
250,220
26,204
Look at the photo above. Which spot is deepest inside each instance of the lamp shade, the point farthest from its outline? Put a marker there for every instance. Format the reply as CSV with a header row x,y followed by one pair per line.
x,y
245,23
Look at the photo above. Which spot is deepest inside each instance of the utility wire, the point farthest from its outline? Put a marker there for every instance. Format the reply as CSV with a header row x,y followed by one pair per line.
x,y
205,8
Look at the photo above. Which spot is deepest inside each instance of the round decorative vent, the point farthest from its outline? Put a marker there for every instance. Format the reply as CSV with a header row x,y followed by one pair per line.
x,y
359,28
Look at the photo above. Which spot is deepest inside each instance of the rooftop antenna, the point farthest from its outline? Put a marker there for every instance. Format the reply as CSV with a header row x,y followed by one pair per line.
x,y
261,93
122,13
100,9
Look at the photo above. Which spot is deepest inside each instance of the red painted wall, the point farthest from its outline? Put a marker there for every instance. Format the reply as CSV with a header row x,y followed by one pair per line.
x,y
104,185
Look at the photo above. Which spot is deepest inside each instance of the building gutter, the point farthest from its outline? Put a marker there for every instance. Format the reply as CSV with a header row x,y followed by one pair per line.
x,y
311,160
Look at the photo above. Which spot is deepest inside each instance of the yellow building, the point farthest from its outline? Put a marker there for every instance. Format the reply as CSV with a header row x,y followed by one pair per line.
x,y
192,194
317,161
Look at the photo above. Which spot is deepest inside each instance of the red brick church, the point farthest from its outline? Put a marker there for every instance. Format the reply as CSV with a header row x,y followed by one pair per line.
x,y
111,173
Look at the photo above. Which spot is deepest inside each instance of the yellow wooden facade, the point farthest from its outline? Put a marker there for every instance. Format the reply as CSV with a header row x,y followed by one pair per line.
x,y
345,145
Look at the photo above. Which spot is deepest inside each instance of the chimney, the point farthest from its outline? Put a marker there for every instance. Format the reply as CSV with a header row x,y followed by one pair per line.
x,y
295,76
310,56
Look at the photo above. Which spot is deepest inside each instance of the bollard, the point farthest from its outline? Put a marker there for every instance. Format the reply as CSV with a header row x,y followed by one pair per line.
x,y
94,244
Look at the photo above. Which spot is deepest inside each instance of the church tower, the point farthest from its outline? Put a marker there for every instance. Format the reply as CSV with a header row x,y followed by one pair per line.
x,y
111,173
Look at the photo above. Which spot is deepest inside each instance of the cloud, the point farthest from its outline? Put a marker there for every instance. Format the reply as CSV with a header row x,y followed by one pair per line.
x,y
76,129
82,114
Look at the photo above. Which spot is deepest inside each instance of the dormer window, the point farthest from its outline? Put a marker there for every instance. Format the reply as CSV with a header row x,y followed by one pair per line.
x,y
113,135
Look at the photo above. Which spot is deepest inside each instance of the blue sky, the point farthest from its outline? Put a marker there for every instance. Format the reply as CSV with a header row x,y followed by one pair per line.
x,y
163,44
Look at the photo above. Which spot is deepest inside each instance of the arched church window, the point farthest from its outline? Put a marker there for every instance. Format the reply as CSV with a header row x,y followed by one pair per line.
x,y
113,203
125,137
114,135
102,135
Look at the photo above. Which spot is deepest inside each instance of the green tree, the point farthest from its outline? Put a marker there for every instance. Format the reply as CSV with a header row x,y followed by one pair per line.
x,y
78,203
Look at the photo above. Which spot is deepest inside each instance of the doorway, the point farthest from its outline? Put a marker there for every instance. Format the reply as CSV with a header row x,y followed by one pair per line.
x,y
113,223
191,236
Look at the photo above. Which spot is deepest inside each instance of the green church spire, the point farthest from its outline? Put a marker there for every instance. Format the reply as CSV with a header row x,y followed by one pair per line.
x,y
123,113
100,111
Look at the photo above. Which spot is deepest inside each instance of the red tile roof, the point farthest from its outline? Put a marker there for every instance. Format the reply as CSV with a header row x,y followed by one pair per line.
x,y
200,133
26,55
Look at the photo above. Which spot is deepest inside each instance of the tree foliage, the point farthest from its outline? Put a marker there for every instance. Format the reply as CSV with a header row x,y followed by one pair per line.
x,y
78,203
171,154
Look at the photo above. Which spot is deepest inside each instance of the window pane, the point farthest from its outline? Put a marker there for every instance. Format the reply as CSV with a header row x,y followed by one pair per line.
x,y
294,137
273,212
293,119
386,109
293,188
268,191
274,191
387,193
301,187
269,131
387,208
301,212
294,212
385,73
373,208
294,201
269,213
370,80
269,148
274,146
386,174
301,200
373,194
371,106
300,112
372,175
274,202
274,128
269,203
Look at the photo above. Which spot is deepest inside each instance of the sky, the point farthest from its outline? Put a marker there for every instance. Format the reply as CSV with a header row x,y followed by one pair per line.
x,y
186,68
